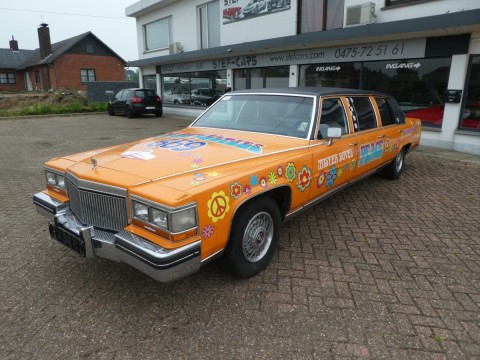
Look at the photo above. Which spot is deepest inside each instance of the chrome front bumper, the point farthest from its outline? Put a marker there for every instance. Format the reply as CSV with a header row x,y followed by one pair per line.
x,y
153,260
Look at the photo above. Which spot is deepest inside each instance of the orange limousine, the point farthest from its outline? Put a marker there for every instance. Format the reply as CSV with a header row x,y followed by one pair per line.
x,y
222,186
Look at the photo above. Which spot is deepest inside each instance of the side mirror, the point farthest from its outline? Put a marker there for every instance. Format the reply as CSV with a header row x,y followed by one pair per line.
x,y
334,132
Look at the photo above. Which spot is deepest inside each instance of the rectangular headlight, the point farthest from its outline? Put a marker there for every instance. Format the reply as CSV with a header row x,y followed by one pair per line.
x,y
140,211
55,179
174,221
159,218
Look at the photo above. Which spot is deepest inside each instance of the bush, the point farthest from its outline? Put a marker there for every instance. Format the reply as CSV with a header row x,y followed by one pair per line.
x,y
60,102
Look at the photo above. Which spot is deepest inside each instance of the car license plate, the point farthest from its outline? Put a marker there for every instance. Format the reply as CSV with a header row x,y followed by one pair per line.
x,y
68,239
150,108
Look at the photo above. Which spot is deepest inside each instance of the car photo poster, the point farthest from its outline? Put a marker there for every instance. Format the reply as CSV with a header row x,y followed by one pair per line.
x,y
237,10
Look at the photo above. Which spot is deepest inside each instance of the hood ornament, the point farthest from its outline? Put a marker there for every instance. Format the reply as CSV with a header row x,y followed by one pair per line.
x,y
94,163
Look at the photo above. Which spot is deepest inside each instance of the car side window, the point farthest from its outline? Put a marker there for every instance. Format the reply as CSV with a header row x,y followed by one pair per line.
x,y
362,113
119,95
332,116
386,113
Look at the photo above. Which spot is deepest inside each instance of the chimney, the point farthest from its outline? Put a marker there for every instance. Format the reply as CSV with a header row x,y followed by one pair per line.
x,y
44,40
13,44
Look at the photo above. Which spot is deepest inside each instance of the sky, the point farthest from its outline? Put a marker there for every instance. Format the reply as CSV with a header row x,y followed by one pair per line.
x,y
67,18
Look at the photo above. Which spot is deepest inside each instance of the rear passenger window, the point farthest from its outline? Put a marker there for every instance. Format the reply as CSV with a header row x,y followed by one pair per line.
x,y
362,113
333,115
385,112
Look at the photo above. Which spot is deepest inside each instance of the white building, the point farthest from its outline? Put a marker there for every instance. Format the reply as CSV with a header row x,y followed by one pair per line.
x,y
424,52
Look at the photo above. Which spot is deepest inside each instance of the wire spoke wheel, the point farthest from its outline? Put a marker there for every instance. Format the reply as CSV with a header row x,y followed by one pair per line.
x,y
399,162
257,237
254,237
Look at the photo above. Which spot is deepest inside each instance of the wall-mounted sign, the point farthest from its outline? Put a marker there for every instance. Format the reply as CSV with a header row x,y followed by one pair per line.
x,y
403,65
453,96
392,50
327,68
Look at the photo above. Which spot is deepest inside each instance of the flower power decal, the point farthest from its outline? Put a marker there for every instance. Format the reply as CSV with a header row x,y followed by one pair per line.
x,y
185,142
218,206
370,152
304,177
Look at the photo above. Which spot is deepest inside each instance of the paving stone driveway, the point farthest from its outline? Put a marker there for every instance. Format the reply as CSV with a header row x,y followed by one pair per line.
x,y
383,270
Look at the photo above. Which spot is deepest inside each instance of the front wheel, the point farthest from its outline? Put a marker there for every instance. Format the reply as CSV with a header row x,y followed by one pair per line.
x,y
129,112
393,170
254,237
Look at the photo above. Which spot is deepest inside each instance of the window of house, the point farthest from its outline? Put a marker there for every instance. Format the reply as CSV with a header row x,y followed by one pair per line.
x,y
259,78
363,114
87,75
150,82
470,119
398,2
157,34
319,15
89,48
37,77
209,16
419,85
200,88
344,75
7,78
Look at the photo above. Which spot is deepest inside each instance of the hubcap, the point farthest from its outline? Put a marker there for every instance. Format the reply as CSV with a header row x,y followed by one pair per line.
x,y
399,161
257,237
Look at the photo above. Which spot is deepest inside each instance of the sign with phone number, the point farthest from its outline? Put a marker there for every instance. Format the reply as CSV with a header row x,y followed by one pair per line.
x,y
403,49
392,50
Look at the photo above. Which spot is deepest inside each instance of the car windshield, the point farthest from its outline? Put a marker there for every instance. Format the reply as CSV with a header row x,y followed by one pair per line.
x,y
272,114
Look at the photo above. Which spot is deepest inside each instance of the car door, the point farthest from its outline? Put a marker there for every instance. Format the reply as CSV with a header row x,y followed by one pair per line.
x,y
389,122
370,137
334,159
119,104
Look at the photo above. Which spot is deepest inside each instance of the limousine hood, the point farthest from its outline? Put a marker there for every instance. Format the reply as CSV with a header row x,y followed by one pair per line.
x,y
189,151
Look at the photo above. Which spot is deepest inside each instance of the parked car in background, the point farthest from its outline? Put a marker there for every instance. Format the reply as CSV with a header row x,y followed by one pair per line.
x,y
433,115
205,96
254,7
222,186
177,98
133,102
232,12
276,4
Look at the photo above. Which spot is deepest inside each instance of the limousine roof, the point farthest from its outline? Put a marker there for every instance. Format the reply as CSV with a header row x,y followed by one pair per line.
x,y
311,91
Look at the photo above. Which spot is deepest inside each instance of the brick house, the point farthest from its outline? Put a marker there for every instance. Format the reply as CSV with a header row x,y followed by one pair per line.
x,y
70,63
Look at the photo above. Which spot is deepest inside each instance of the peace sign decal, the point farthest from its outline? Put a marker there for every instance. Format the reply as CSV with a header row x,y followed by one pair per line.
x,y
218,206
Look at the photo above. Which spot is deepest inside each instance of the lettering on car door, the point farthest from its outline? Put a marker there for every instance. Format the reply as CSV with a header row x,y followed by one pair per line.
x,y
334,161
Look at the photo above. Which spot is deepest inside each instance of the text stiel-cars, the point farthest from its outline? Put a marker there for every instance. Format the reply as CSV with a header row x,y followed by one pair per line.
x,y
222,186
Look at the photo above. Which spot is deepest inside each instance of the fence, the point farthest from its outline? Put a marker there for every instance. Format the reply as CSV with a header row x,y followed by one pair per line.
x,y
104,91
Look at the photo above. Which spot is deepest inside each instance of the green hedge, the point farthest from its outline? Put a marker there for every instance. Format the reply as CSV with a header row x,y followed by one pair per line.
x,y
48,109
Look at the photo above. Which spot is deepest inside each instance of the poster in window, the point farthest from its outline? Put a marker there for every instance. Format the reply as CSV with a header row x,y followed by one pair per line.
x,y
236,10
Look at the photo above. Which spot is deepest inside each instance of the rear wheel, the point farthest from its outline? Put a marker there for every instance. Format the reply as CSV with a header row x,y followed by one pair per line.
x,y
254,238
395,168
158,114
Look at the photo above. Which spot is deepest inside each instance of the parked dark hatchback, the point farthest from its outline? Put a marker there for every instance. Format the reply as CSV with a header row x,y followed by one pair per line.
x,y
133,102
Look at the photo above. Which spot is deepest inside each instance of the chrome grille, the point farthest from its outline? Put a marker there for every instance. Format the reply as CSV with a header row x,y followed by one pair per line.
x,y
101,210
